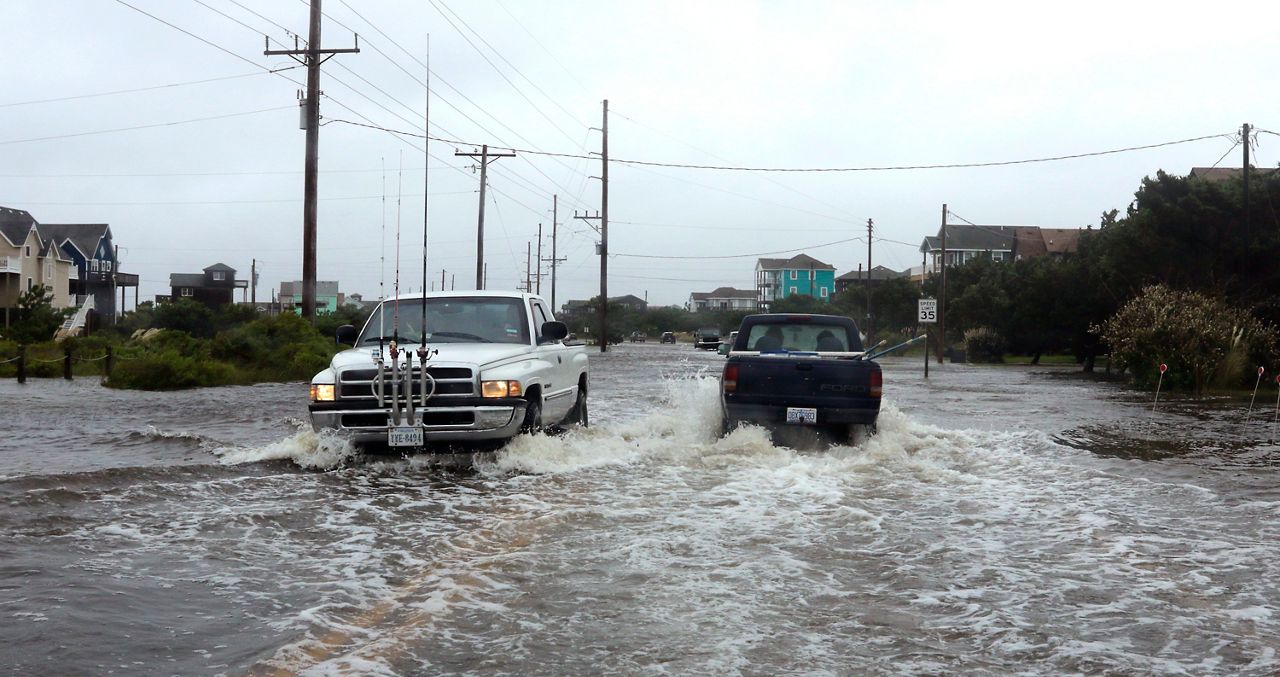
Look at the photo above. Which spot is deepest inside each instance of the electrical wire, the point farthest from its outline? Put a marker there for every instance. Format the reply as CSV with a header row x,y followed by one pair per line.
x,y
139,89
739,256
150,126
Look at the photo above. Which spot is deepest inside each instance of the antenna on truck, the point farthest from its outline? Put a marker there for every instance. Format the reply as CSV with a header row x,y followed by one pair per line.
x,y
426,174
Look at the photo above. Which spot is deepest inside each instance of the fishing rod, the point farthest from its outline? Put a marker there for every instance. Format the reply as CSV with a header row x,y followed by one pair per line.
x,y
872,354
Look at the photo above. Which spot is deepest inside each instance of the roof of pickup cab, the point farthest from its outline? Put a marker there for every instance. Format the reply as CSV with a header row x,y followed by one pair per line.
x,y
469,293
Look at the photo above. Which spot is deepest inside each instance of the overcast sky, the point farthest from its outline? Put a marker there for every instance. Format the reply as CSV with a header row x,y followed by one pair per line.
x,y
758,84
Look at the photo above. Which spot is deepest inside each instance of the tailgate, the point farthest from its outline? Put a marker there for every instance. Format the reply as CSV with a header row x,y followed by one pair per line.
x,y
802,381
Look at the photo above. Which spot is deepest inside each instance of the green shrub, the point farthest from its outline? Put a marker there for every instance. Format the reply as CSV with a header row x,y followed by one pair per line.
x,y
168,369
1202,339
984,344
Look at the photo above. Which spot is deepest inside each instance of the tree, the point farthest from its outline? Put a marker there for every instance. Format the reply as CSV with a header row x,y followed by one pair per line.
x,y
1203,340
37,318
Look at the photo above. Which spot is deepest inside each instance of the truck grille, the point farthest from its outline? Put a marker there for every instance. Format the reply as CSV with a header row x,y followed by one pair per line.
x,y
358,384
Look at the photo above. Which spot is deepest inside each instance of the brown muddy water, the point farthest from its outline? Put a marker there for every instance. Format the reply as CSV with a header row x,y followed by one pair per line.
x,y
1004,521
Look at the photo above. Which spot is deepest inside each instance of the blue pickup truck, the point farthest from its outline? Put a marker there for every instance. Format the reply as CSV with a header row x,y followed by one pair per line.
x,y
801,370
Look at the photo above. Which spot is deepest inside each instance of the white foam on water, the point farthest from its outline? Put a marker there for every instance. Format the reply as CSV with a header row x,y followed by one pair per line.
x,y
309,449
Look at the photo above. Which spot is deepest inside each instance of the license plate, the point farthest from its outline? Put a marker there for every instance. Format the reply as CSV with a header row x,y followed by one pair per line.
x,y
802,415
404,436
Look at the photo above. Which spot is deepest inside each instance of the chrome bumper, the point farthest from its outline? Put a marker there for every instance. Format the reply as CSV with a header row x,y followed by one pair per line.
x,y
490,423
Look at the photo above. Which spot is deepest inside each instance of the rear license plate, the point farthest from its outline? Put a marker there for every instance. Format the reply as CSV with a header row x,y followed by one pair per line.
x,y
404,437
802,415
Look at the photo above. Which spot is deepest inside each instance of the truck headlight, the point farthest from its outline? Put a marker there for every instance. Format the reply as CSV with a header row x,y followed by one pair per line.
x,y
322,392
500,388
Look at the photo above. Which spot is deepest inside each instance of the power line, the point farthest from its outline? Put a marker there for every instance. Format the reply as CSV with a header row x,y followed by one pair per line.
x,y
742,256
139,89
882,168
151,126
218,202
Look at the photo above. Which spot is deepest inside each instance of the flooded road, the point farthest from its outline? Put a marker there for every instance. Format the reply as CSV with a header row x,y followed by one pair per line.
x,y
1004,521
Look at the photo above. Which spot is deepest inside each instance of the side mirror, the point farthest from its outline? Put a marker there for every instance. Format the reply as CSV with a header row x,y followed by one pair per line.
x,y
552,331
725,348
345,334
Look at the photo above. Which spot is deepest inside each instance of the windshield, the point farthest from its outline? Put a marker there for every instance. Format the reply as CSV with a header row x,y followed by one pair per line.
x,y
471,319
800,337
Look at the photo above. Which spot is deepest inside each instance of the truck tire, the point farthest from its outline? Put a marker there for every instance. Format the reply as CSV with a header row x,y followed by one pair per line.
x,y
532,416
580,415
860,433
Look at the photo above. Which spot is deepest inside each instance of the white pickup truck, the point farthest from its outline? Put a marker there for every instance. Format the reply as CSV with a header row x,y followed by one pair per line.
x,y
496,364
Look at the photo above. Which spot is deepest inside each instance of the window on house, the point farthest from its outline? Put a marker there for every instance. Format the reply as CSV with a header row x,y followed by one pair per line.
x,y
219,275
186,291
28,251
29,284
48,271
795,274
823,292
812,274
793,290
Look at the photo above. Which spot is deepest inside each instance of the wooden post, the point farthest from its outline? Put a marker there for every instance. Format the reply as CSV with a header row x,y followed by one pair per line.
x,y
66,363
107,363
22,364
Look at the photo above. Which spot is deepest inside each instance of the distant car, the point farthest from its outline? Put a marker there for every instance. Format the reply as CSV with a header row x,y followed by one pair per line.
x,y
668,337
639,337
706,339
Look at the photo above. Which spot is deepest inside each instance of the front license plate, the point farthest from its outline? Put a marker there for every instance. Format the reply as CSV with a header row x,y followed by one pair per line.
x,y
802,415
404,437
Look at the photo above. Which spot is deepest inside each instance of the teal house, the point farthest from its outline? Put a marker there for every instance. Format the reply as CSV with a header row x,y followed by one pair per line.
x,y
801,274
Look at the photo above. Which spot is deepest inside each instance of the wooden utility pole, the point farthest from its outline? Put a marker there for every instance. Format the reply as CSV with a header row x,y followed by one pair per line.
x,y
538,258
942,295
554,261
253,282
603,217
485,158
870,323
1244,138
312,57
528,271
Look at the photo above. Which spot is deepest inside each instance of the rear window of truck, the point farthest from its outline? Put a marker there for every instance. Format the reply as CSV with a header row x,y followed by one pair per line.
x,y
801,337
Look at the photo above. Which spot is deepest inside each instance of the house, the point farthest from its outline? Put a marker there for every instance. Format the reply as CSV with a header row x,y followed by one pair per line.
x,y
629,301
27,259
214,287
966,242
1220,174
801,274
724,298
328,298
858,279
92,252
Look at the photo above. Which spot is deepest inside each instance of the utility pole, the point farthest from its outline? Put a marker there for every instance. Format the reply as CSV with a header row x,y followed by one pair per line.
x,y
115,267
253,282
311,58
870,323
554,261
538,258
603,216
1244,137
485,158
442,279
528,271
942,295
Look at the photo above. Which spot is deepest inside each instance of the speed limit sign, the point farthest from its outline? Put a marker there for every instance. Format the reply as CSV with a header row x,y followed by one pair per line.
x,y
928,310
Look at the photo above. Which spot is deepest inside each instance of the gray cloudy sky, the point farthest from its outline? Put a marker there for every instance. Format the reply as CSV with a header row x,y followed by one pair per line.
x,y
762,84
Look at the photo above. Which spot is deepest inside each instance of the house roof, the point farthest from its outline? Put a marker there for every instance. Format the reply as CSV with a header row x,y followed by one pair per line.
x,y
723,293
15,224
877,273
628,298
1061,240
1218,174
323,288
797,262
186,280
220,266
83,236
50,247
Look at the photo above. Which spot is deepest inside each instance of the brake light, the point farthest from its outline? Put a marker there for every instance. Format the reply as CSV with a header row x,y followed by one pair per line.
x,y
730,379
877,383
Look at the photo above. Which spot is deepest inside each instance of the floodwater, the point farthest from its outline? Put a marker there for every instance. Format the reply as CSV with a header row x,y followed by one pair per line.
x,y
1004,521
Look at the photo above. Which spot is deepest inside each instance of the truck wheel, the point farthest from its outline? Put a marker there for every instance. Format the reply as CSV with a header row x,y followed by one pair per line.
x,y
860,433
580,409
532,417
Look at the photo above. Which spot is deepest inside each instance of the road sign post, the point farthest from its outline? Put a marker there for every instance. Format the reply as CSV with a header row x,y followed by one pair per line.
x,y
927,310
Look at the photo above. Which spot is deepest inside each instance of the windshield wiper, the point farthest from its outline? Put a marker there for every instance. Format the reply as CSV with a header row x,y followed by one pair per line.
x,y
377,339
461,335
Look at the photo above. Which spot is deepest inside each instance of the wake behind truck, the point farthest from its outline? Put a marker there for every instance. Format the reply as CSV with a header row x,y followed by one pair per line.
x,y
493,364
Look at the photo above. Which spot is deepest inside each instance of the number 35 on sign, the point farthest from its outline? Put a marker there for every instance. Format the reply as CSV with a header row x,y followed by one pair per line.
x,y
928,310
